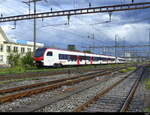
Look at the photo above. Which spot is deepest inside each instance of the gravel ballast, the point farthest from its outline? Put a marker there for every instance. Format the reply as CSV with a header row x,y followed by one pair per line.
x,y
63,105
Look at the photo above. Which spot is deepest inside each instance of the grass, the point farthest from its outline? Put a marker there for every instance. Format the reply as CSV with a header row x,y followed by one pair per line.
x,y
12,70
17,70
147,83
131,68
147,109
127,70
123,71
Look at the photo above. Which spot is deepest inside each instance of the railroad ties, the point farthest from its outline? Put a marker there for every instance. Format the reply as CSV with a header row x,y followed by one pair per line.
x,y
117,99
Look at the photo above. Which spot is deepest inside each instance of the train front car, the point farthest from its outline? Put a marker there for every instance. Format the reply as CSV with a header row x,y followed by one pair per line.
x,y
39,57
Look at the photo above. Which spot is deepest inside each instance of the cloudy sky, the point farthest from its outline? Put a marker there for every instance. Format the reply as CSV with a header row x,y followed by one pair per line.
x,y
131,26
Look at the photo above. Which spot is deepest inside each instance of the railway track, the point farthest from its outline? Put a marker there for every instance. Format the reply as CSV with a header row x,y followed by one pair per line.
x,y
137,103
60,96
32,80
115,98
23,91
79,97
7,96
12,89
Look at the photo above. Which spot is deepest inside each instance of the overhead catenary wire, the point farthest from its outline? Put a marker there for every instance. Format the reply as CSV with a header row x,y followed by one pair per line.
x,y
79,19
68,31
106,22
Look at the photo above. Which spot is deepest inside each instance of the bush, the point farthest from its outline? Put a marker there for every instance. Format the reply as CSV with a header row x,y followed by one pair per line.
x,y
147,109
19,63
14,59
27,60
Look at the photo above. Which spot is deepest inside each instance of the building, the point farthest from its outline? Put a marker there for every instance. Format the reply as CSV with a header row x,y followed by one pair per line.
x,y
131,57
13,45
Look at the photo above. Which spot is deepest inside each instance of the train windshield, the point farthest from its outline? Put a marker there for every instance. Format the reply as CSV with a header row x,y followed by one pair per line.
x,y
39,52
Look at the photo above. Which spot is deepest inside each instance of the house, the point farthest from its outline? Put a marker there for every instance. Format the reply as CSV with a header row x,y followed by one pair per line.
x,y
12,45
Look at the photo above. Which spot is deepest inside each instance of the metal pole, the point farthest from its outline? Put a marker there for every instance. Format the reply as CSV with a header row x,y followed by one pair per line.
x,y
93,41
29,7
34,34
115,48
149,44
124,48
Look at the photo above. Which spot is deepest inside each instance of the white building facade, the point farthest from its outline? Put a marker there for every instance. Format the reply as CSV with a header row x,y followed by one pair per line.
x,y
17,46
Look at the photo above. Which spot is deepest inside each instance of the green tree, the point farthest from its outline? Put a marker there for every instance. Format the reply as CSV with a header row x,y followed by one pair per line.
x,y
87,51
53,46
71,48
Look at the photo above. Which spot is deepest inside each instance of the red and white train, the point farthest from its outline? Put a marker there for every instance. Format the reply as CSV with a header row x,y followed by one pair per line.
x,y
59,57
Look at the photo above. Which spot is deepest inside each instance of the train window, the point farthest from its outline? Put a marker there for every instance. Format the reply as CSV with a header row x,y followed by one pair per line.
x,y
73,57
82,58
69,58
63,56
87,58
104,59
49,54
95,58
60,56
39,52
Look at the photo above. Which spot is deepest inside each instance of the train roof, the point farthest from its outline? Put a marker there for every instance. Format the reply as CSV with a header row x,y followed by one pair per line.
x,y
78,52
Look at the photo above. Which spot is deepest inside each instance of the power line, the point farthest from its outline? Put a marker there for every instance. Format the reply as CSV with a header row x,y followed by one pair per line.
x,y
129,46
72,32
113,8
66,23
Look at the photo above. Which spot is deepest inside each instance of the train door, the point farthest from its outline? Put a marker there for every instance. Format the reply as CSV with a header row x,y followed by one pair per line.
x,y
49,58
78,60
91,60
